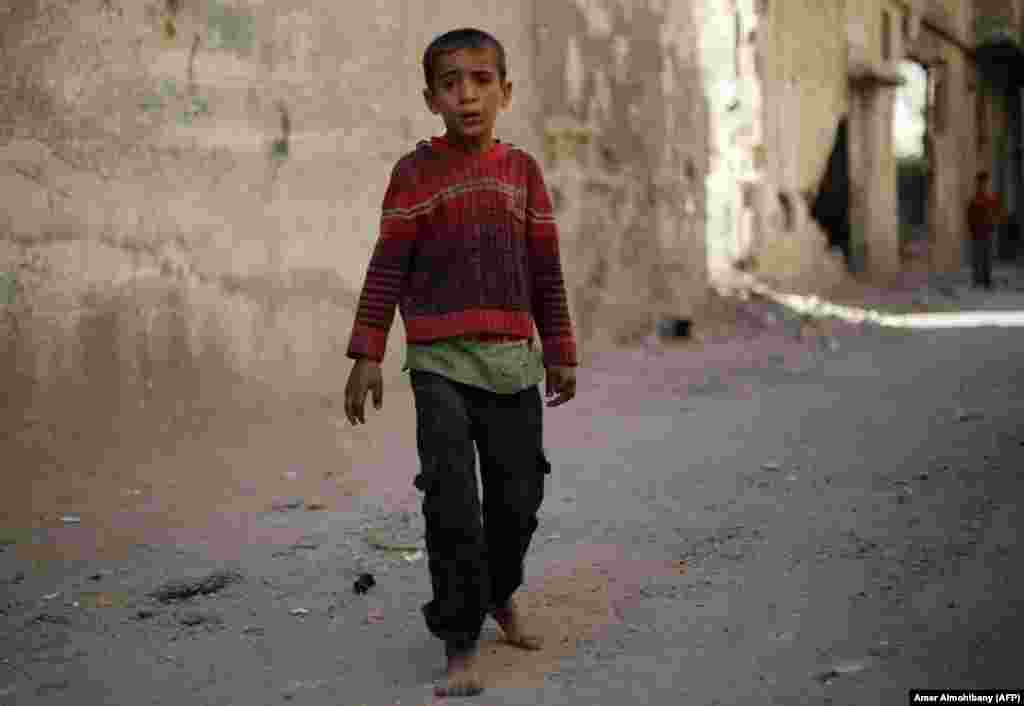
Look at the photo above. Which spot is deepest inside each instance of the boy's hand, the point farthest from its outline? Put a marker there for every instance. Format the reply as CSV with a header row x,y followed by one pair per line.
x,y
561,379
365,377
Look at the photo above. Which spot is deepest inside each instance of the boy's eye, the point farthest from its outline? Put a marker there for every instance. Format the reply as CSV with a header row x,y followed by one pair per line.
x,y
480,78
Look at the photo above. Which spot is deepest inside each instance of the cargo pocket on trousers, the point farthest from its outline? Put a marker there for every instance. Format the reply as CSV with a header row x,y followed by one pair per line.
x,y
542,463
426,478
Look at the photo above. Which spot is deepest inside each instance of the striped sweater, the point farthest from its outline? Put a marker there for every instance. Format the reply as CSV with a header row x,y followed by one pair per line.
x,y
467,245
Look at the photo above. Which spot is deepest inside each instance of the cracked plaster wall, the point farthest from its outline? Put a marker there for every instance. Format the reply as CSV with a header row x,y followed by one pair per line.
x,y
198,186
728,61
873,203
802,60
625,120
997,135
193,191
809,50
197,192
952,139
774,74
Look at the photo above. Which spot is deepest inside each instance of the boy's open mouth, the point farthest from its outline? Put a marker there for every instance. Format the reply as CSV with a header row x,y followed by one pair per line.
x,y
471,118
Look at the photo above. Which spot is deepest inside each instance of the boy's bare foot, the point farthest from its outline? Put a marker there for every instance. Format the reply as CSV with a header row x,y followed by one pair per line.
x,y
462,679
511,622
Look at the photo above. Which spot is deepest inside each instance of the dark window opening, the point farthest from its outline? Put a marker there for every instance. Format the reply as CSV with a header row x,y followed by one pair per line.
x,y
749,195
691,169
937,90
831,207
787,212
981,120
886,36
738,38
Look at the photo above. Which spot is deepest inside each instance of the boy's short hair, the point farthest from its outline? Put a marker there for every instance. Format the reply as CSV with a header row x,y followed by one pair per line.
x,y
465,38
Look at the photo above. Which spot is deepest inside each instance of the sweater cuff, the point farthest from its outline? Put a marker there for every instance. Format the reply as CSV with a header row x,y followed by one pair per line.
x,y
560,351
367,342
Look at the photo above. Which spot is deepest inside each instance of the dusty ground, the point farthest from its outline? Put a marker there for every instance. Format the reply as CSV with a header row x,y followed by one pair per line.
x,y
728,520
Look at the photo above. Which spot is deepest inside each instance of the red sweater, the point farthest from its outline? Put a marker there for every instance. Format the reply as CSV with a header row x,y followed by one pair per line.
x,y
468,244
983,213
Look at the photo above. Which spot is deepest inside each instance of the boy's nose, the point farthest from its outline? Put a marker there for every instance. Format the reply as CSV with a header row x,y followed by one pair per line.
x,y
468,91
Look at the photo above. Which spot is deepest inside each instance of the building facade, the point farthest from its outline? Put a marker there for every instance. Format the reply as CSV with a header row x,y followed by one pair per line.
x,y
192,190
999,29
192,187
825,198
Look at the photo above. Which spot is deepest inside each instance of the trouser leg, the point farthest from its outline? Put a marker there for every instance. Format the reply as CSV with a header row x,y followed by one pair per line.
x,y
981,256
977,270
512,470
975,264
456,548
986,260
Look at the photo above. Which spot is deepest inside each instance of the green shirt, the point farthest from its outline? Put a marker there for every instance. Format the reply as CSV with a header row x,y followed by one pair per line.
x,y
505,368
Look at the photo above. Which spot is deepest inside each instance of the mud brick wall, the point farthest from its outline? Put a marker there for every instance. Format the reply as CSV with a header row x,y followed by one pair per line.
x,y
192,192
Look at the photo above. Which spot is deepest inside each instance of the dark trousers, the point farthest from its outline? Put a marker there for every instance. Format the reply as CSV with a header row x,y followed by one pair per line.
x,y
981,259
475,554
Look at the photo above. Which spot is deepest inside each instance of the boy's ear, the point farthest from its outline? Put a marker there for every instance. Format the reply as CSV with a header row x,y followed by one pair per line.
x,y
428,98
506,99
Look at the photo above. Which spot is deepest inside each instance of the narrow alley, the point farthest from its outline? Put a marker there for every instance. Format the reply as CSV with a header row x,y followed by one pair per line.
x,y
791,469
759,519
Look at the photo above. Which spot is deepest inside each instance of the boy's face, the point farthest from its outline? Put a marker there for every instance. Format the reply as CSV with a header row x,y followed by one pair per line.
x,y
468,94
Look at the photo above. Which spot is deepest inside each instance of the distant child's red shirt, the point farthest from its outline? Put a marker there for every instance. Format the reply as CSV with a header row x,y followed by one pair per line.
x,y
983,214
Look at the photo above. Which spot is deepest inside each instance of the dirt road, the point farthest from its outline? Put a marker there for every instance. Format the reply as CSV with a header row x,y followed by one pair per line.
x,y
762,521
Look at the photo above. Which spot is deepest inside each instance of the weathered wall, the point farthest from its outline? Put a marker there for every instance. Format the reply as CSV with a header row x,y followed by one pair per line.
x,y
952,131
873,198
192,190
999,99
1005,12
823,60
733,101
191,197
625,124
803,51
805,71
240,222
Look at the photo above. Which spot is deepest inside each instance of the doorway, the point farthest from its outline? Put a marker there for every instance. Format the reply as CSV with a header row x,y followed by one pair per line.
x,y
913,160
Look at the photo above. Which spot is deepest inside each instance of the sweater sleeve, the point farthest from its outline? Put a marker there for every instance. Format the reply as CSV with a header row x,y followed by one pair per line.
x,y
388,268
549,304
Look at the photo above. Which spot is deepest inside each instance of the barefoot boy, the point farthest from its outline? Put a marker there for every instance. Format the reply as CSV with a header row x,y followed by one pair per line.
x,y
468,250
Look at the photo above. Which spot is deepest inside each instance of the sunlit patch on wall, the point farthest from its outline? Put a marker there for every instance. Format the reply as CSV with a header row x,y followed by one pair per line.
x,y
228,28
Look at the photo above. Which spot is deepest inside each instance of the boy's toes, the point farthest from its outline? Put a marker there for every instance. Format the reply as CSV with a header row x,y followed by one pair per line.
x,y
462,678
529,642
524,641
463,685
511,623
